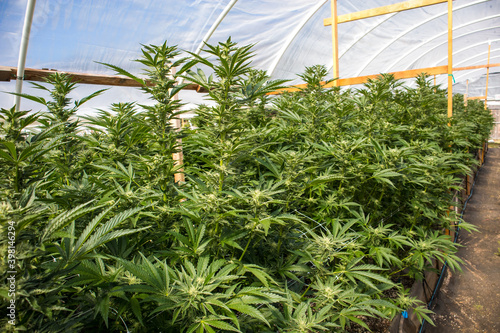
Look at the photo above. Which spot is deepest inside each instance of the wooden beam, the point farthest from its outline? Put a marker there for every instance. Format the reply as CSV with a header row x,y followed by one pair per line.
x,y
362,79
9,73
5,73
475,67
31,74
335,39
476,97
398,7
466,95
398,75
178,157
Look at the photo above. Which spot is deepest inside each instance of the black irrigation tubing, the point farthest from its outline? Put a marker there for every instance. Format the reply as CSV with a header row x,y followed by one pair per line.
x,y
445,266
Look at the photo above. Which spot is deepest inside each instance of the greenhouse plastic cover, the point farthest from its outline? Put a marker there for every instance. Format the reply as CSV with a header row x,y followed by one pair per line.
x,y
73,35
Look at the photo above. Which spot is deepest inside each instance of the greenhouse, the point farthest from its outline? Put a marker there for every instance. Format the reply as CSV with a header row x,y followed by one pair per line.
x,y
250,166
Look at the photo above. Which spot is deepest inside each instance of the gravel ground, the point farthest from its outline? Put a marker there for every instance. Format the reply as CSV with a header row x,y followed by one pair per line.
x,y
469,301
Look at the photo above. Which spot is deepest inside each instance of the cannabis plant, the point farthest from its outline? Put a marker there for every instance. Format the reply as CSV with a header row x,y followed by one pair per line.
x,y
299,213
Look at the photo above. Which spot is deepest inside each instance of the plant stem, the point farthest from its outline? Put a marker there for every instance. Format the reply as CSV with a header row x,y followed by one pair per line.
x,y
16,180
248,243
305,292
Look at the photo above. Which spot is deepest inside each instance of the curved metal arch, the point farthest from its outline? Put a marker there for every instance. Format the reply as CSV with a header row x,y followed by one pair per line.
x,y
467,48
440,44
478,69
292,36
458,76
428,51
216,24
411,29
482,75
475,78
466,61
272,68
389,16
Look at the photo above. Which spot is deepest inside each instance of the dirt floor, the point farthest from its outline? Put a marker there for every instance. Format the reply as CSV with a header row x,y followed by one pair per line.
x,y
469,301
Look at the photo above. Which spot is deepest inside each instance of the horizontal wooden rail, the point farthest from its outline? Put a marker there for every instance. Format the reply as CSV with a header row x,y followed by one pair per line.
x,y
30,74
397,7
5,74
477,97
8,73
408,74
475,67
362,79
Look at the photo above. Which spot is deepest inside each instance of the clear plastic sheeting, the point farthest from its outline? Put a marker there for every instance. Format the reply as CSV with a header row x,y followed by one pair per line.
x,y
477,87
73,35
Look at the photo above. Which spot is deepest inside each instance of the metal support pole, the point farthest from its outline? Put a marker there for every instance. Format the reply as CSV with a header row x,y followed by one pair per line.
x,y
335,40
30,9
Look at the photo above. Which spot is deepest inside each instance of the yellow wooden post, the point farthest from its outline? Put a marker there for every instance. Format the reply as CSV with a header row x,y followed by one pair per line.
x,y
466,95
483,151
178,157
487,77
335,40
450,59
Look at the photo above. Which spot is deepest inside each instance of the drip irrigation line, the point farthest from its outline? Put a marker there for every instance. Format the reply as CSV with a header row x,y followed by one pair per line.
x,y
425,286
445,265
